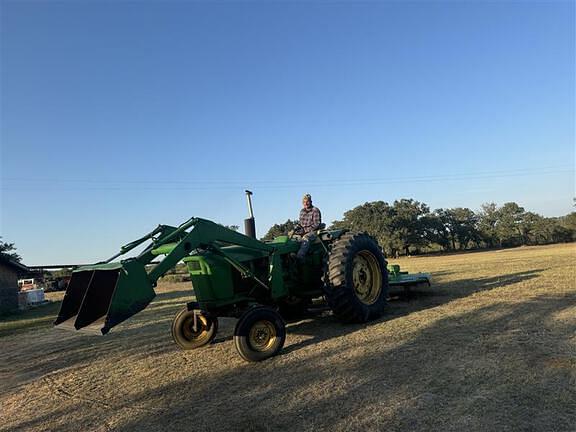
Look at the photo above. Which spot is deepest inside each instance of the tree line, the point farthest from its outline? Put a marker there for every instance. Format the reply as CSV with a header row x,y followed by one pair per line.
x,y
409,227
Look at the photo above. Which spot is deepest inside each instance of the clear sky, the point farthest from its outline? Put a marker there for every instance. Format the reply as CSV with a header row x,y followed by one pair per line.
x,y
118,116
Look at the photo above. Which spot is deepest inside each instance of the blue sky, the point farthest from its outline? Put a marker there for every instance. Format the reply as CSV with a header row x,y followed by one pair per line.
x,y
117,116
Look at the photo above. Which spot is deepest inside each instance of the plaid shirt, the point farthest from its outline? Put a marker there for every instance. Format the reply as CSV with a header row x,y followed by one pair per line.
x,y
310,220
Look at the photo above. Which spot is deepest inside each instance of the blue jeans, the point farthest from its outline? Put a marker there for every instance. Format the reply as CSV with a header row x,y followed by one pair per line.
x,y
305,244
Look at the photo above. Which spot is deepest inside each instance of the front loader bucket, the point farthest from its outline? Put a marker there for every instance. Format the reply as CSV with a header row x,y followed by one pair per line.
x,y
101,296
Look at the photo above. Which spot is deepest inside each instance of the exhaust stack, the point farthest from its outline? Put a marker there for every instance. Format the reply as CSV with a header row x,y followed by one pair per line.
x,y
250,224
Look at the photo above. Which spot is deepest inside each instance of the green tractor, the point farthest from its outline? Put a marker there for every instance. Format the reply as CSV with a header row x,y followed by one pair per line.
x,y
235,275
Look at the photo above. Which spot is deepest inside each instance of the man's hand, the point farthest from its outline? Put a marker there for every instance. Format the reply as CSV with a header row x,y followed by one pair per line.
x,y
298,229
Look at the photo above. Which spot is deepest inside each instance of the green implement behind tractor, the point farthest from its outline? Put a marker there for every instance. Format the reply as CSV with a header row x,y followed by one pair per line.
x,y
236,275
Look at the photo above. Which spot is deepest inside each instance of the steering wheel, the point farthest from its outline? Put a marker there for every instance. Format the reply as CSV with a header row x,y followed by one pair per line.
x,y
296,228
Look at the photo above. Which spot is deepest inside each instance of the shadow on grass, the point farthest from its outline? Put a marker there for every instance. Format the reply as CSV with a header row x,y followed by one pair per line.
x,y
493,368
47,349
493,373
403,303
148,333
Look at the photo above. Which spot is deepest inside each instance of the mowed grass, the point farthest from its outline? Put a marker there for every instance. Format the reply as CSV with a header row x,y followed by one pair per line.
x,y
490,346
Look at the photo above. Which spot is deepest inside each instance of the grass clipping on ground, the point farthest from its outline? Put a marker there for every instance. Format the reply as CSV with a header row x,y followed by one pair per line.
x,y
490,346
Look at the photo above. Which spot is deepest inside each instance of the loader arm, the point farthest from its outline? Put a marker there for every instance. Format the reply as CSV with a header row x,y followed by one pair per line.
x,y
103,295
204,234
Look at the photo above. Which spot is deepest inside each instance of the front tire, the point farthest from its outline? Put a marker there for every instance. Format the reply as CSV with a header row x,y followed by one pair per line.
x,y
259,334
356,279
183,331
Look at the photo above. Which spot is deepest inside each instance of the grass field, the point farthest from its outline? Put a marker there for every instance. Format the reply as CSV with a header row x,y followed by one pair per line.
x,y
490,347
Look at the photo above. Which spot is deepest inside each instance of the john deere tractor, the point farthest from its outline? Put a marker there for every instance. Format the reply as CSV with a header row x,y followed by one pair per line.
x,y
235,275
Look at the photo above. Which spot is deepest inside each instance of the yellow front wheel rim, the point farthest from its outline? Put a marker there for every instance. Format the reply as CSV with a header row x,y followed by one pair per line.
x,y
202,333
262,335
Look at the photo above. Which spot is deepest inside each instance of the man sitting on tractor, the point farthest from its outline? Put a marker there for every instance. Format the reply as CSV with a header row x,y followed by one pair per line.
x,y
309,222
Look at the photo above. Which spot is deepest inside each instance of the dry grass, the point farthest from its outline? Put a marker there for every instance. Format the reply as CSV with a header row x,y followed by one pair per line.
x,y
492,346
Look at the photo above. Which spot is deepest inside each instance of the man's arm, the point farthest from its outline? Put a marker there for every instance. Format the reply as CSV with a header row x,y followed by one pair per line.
x,y
316,219
300,229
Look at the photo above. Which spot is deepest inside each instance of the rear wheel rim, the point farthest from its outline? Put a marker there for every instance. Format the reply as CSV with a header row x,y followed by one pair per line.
x,y
366,277
262,335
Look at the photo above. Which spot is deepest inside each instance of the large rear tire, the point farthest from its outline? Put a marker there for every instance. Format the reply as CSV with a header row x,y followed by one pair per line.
x,y
356,279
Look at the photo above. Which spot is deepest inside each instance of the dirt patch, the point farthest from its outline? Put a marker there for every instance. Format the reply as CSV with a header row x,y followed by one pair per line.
x,y
490,346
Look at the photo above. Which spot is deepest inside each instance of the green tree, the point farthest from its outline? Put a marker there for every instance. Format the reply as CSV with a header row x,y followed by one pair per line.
x,y
562,229
280,229
569,223
448,231
509,226
377,219
435,230
410,223
459,226
232,227
400,227
7,251
487,221
535,229
467,227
